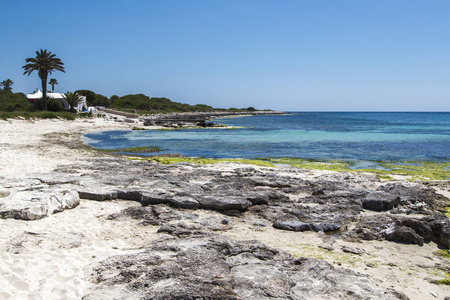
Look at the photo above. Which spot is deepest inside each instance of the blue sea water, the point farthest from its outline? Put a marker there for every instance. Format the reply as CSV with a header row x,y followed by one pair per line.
x,y
361,136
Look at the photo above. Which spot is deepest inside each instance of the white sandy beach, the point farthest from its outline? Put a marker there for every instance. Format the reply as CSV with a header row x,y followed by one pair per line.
x,y
53,258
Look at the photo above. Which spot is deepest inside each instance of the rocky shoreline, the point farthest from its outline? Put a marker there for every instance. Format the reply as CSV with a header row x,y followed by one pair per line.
x,y
224,231
185,119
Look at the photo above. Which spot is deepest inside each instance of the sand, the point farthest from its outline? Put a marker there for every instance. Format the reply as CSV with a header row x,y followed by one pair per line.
x,y
53,258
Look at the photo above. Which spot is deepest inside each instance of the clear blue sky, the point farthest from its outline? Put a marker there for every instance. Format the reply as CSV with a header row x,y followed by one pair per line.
x,y
316,55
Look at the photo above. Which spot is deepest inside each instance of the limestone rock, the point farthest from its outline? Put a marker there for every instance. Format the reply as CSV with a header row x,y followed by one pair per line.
x,y
37,203
353,250
214,267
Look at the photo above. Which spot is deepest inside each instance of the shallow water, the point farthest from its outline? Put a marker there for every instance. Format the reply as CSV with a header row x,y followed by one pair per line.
x,y
319,135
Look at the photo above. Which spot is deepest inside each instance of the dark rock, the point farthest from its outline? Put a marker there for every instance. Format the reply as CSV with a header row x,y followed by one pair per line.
x,y
420,227
404,234
224,203
137,213
325,227
380,201
98,194
258,199
129,195
416,197
156,197
149,122
444,237
182,229
292,225
184,202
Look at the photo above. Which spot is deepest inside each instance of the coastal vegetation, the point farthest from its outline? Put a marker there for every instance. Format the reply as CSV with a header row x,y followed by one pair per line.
x,y
53,82
44,63
94,99
416,170
10,102
28,115
7,84
138,103
73,99
169,160
141,103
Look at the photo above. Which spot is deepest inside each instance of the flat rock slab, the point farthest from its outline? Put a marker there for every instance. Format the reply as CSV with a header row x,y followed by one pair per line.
x,y
36,203
215,267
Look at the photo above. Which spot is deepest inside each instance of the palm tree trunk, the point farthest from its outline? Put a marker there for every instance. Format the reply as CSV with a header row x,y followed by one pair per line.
x,y
44,91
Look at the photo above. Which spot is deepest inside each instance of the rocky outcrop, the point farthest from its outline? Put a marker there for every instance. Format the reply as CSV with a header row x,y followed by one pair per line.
x,y
351,205
201,266
200,119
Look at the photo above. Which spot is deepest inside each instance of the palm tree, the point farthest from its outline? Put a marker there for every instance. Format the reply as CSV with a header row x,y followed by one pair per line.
x,y
7,84
52,82
44,63
73,99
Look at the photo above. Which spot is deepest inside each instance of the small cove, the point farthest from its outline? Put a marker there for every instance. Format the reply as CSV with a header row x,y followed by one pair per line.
x,y
355,136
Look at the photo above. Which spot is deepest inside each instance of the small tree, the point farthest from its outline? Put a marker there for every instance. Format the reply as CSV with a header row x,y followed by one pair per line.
x,y
73,99
7,84
52,82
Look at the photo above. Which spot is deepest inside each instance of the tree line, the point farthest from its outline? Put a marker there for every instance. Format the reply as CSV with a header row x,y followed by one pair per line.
x,y
45,63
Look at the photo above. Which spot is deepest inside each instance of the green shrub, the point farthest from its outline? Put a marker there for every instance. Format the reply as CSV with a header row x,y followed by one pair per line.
x,y
85,114
48,115
141,102
10,101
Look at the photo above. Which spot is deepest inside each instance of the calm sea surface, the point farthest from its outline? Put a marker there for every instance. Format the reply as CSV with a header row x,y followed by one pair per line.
x,y
314,135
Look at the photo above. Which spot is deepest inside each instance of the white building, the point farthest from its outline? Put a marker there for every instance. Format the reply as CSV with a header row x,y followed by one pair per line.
x,y
58,96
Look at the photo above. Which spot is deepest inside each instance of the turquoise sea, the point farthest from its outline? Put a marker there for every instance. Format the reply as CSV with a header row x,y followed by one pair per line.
x,y
360,136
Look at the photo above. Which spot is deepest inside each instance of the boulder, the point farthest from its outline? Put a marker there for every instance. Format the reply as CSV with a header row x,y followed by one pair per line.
x,y
419,226
380,201
404,234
